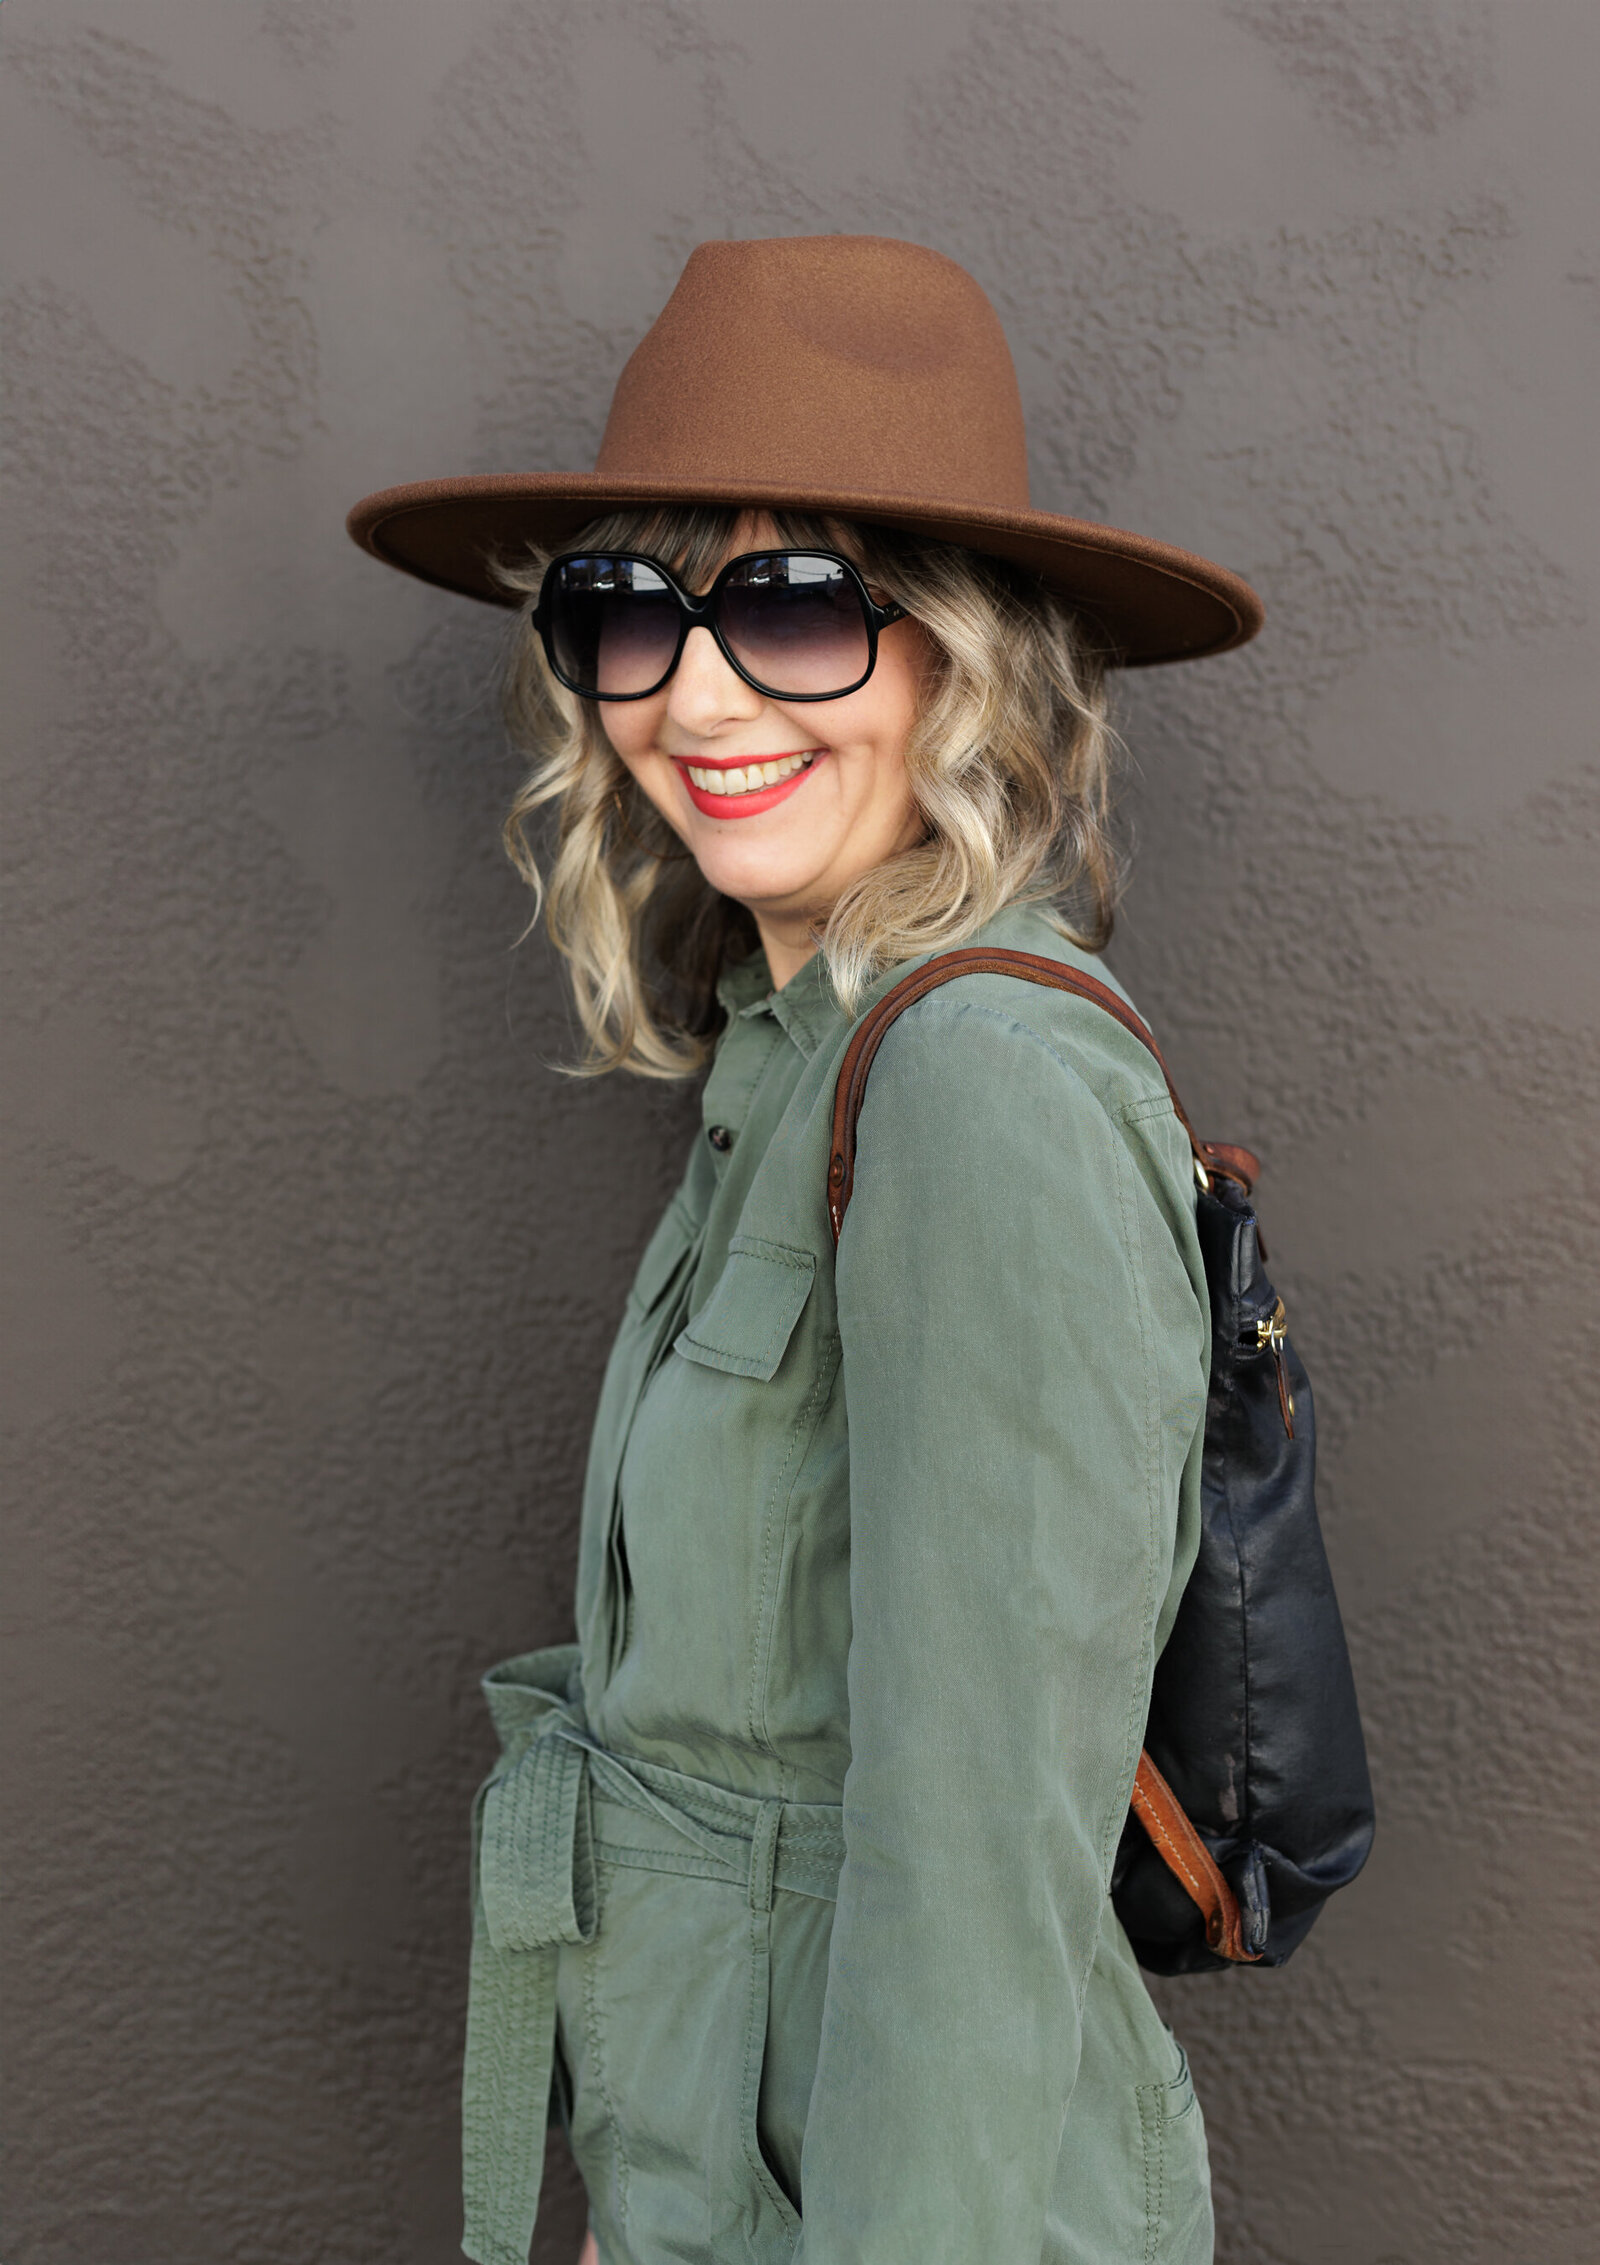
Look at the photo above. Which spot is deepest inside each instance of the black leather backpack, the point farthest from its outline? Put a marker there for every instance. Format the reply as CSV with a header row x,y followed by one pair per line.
x,y
1252,1803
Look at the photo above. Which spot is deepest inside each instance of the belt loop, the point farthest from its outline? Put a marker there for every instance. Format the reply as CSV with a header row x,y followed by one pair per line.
x,y
764,1855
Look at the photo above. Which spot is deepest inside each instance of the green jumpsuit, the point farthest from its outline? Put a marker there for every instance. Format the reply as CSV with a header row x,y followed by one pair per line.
x,y
793,1877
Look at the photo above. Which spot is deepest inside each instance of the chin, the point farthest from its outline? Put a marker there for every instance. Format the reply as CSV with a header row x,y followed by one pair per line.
x,y
771,875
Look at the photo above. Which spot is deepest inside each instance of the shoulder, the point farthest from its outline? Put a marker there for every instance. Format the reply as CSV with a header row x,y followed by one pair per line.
x,y
1064,1045
1001,1079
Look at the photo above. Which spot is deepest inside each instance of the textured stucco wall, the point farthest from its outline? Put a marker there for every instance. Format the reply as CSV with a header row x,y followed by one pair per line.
x,y
315,1260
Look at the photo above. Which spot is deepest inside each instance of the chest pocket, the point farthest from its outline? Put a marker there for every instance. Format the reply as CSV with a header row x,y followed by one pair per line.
x,y
745,1325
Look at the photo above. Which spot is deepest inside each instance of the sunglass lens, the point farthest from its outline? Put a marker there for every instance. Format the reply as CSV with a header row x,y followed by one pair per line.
x,y
613,624
795,622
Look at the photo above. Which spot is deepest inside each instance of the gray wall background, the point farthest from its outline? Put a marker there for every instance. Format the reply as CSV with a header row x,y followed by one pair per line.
x,y
315,1259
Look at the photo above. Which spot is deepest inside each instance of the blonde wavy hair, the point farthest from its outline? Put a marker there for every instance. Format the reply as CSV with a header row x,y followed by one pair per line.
x,y
1010,764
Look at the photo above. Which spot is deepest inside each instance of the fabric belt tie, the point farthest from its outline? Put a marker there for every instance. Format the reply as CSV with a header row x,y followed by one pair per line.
x,y
536,1852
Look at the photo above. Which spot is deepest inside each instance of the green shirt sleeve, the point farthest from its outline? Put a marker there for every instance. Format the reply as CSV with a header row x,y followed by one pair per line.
x,y
1023,1364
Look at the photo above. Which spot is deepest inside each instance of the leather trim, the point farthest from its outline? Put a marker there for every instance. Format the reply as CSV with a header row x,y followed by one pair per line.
x,y
1231,1163
1190,1862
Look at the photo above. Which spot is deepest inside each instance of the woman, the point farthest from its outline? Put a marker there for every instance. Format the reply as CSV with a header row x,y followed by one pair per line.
x,y
793,1882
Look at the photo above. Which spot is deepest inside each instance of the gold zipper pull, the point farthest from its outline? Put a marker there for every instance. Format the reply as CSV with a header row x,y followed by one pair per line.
x,y
1272,1332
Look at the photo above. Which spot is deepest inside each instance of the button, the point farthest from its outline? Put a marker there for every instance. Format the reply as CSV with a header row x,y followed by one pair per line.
x,y
720,1138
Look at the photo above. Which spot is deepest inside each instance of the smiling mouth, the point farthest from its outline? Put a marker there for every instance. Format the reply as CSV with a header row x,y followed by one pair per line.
x,y
747,790
731,780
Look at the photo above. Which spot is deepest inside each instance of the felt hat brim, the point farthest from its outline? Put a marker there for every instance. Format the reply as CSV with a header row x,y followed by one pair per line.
x,y
1147,601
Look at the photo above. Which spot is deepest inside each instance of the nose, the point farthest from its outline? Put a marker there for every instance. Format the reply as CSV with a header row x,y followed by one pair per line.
x,y
705,692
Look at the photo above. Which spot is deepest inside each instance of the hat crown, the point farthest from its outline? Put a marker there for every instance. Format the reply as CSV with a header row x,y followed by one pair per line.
x,y
852,363
851,375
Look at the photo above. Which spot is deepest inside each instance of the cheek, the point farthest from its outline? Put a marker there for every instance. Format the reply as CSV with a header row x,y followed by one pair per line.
x,y
875,724
886,743
631,729
898,688
630,726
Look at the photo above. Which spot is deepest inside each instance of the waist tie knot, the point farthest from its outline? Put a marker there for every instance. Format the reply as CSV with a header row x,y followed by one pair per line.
x,y
536,1851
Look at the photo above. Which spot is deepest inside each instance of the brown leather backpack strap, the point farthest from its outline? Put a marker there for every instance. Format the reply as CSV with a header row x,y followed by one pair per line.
x,y
1174,1838
1190,1862
1032,967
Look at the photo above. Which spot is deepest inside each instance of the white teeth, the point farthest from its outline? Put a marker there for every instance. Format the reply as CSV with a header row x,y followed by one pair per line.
x,y
748,778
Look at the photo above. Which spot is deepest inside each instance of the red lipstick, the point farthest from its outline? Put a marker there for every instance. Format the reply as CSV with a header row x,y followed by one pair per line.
x,y
745,805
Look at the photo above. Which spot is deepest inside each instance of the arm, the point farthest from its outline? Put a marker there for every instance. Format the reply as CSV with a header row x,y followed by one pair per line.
x,y
1023,1366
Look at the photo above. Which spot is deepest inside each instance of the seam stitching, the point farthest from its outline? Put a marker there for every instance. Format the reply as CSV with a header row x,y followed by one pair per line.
x,y
1149,1110
754,2061
762,1365
1153,2130
786,1254
801,1433
1155,1825
591,2016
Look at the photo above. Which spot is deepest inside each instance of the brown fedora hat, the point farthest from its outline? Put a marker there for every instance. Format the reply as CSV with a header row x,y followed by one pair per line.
x,y
854,375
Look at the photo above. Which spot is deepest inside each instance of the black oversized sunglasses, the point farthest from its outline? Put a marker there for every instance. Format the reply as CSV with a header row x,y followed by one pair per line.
x,y
797,625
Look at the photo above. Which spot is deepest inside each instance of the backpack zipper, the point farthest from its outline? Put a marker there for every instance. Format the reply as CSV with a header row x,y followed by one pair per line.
x,y
1272,1334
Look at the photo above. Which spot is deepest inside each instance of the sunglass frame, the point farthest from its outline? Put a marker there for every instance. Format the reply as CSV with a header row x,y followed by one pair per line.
x,y
704,613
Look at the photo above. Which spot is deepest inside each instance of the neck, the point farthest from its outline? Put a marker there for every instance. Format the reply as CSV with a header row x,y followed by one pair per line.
x,y
787,949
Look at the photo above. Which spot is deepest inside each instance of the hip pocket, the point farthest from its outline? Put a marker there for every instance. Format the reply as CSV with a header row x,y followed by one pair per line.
x,y
667,2053
1177,2173
796,1961
779,2181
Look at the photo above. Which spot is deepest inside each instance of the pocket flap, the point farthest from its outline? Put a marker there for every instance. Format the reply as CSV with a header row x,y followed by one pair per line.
x,y
746,1323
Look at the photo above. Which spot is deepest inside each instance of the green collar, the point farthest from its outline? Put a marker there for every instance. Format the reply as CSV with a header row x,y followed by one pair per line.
x,y
806,1009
